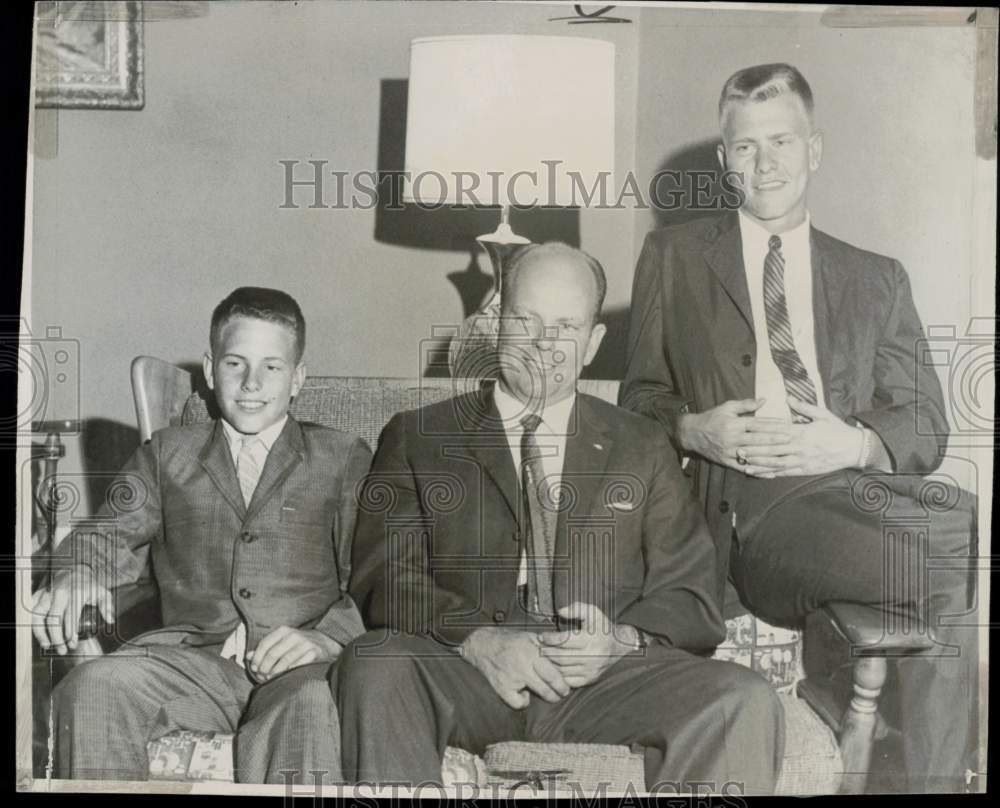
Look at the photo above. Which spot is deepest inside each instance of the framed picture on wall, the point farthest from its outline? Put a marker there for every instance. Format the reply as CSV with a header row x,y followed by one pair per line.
x,y
89,55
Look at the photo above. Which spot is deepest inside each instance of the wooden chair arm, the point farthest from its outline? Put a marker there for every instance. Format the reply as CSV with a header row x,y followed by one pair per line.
x,y
873,632
137,610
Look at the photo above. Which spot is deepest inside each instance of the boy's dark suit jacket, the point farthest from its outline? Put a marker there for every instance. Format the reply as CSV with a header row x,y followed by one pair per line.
x,y
691,341
438,543
282,561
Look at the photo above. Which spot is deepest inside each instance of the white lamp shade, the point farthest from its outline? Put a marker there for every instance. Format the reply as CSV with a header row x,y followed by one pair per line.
x,y
483,110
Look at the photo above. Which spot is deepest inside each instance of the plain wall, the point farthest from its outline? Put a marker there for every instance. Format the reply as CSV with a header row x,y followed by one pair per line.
x,y
144,220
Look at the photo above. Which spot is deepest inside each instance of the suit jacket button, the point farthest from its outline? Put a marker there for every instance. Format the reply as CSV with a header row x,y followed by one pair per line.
x,y
723,506
747,360
247,536
499,616
246,593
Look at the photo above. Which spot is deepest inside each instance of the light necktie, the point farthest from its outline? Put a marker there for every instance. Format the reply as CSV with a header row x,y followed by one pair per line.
x,y
248,467
542,520
779,329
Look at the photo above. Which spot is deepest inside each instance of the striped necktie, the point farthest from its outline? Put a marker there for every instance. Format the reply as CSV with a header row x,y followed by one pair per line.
x,y
779,329
542,516
247,466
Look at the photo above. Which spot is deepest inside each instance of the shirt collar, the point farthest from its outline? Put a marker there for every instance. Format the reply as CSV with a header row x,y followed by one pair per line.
x,y
554,416
756,236
267,436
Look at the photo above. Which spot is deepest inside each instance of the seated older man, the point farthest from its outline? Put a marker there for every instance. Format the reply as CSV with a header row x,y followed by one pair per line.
x,y
532,565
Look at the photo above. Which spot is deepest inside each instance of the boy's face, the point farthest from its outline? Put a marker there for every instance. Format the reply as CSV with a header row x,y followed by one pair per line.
x,y
254,373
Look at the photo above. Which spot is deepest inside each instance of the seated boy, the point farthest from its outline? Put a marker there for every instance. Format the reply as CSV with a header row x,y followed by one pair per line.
x,y
248,523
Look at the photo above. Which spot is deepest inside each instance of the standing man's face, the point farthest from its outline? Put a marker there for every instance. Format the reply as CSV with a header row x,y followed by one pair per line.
x,y
772,145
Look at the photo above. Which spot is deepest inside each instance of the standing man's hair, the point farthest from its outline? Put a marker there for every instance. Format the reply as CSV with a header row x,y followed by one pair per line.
x,y
259,303
559,248
761,82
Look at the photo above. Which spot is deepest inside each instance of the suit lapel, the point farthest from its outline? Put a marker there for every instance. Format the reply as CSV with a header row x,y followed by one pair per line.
x,y
286,453
491,448
725,257
588,448
829,286
217,461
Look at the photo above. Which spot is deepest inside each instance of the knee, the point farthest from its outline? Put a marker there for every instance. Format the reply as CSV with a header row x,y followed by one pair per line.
x,y
312,696
375,662
750,694
109,679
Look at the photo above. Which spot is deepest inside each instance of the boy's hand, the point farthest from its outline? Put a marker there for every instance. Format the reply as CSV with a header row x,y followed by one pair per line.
x,y
56,611
285,648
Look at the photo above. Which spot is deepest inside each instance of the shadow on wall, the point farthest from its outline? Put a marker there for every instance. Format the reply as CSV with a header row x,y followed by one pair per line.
x,y
689,185
106,445
610,360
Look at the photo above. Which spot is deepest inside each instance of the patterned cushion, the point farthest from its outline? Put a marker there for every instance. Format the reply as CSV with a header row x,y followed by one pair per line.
x,y
775,653
185,755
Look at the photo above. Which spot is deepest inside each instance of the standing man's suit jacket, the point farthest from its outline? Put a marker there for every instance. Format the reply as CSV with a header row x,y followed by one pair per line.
x,y
691,342
441,525
281,561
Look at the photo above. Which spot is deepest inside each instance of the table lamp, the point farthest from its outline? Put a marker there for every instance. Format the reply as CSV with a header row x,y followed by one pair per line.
x,y
501,121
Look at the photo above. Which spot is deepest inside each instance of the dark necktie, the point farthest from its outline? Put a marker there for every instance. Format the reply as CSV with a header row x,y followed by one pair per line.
x,y
779,329
542,520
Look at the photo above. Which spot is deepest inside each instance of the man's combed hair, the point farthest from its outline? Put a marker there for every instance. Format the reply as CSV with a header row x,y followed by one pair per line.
x,y
560,248
761,82
271,305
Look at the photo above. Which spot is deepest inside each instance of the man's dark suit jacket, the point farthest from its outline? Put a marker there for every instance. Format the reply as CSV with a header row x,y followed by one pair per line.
x,y
691,342
281,561
438,543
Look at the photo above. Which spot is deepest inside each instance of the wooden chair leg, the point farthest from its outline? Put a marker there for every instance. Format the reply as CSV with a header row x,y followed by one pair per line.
x,y
858,727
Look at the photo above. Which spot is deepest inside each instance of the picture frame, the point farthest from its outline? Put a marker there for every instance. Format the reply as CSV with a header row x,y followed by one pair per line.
x,y
89,55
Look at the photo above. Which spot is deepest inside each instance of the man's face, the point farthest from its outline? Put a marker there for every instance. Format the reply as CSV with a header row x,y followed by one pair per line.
x,y
772,145
254,373
547,334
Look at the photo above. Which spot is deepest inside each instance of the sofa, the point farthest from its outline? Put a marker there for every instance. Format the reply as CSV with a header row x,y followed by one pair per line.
x,y
828,747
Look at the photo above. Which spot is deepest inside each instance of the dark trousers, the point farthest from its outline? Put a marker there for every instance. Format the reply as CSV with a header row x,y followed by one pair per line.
x,y
402,699
107,709
851,537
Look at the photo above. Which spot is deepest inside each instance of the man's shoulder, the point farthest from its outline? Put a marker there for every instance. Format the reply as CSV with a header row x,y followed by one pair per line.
x,y
850,253
626,426
184,436
699,231
462,413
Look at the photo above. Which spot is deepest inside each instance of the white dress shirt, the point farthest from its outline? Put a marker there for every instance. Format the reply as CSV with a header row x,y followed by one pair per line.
x,y
551,438
235,646
795,249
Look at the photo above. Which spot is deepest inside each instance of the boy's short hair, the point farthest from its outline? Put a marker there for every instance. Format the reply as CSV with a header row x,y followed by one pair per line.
x,y
761,82
259,303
